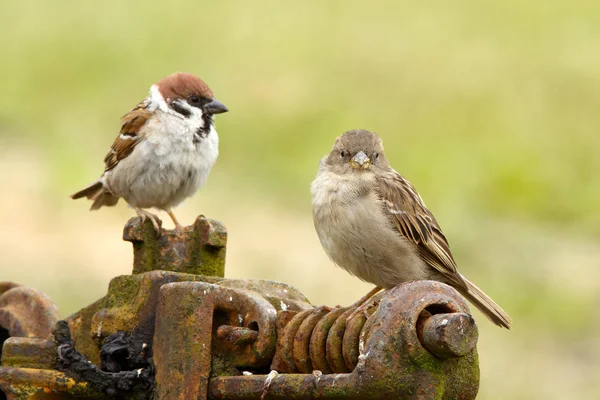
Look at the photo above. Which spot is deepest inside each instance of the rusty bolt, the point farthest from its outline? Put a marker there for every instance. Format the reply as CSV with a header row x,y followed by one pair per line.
x,y
449,335
237,335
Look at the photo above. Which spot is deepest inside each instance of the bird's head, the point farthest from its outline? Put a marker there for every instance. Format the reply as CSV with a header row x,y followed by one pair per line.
x,y
356,151
189,97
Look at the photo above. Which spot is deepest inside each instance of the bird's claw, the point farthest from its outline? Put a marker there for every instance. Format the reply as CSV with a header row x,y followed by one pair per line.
x,y
144,215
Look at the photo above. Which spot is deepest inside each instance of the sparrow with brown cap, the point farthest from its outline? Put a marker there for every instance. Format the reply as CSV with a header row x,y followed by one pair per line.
x,y
372,222
165,149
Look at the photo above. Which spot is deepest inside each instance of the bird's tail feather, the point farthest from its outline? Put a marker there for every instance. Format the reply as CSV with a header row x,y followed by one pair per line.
x,y
98,193
485,304
90,192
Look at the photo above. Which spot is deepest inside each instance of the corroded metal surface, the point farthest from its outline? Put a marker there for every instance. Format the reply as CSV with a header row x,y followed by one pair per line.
x,y
333,344
6,286
302,338
382,347
129,305
214,338
127,374
26,320
26,312
218,328
287,340
29,353
318,341
391,362
43,384
449,335
196,249
335,341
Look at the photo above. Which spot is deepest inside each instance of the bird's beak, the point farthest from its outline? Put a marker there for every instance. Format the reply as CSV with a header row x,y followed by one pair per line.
x,y
215,107
360,161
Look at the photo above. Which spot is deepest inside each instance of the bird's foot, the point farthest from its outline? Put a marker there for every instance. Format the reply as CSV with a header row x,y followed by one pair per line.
x,y
178,226
144,215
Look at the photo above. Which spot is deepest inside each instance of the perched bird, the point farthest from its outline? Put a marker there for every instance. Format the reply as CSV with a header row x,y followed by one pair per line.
x,y
165,149
372,222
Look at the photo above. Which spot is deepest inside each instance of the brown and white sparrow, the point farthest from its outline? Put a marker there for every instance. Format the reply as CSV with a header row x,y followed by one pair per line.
x,y
165,149
372,222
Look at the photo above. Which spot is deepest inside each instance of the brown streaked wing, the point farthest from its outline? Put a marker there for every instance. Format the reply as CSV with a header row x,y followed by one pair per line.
x,y
414,221
128,138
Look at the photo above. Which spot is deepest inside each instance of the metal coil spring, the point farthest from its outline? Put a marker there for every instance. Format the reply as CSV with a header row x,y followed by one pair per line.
x,y
320,339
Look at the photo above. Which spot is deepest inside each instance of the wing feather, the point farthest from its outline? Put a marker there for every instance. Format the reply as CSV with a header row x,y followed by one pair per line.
x,y
414,221
129,136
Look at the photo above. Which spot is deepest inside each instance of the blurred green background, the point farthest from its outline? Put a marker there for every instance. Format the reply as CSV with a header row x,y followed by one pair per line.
x,y
491,109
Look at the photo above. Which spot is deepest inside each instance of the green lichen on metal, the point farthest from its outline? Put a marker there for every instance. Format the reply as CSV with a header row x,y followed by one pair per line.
x,y
123,290
425,361
197,249
81,329
207,248
145,245
208,261
465,375
221,366
24,391
128,306
43,384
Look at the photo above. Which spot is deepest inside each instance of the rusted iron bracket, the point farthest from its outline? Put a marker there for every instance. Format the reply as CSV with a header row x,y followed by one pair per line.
x,y
196,249
215,338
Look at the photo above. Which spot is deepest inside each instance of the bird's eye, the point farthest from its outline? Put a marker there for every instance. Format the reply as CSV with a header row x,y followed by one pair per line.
x,y
375,156
342,153
194,100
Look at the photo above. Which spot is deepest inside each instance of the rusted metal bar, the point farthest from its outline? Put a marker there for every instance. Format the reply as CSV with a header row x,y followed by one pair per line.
x,y
43,384
237,335
28,353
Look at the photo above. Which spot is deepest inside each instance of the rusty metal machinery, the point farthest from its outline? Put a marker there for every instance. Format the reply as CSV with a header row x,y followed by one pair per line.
x,y
176,329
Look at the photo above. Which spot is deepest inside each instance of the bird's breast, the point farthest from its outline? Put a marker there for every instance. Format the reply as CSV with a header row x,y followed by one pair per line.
x,y
344,214
165,168
358,236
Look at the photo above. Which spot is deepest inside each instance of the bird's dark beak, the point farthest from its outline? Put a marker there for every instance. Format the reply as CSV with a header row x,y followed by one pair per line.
x,y
360,161
215,107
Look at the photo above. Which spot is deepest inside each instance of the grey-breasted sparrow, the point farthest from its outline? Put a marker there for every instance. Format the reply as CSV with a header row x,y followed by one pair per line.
x,y
165,149
373,223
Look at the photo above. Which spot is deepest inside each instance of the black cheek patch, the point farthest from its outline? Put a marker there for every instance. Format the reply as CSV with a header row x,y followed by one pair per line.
x,y
181,110
204,130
